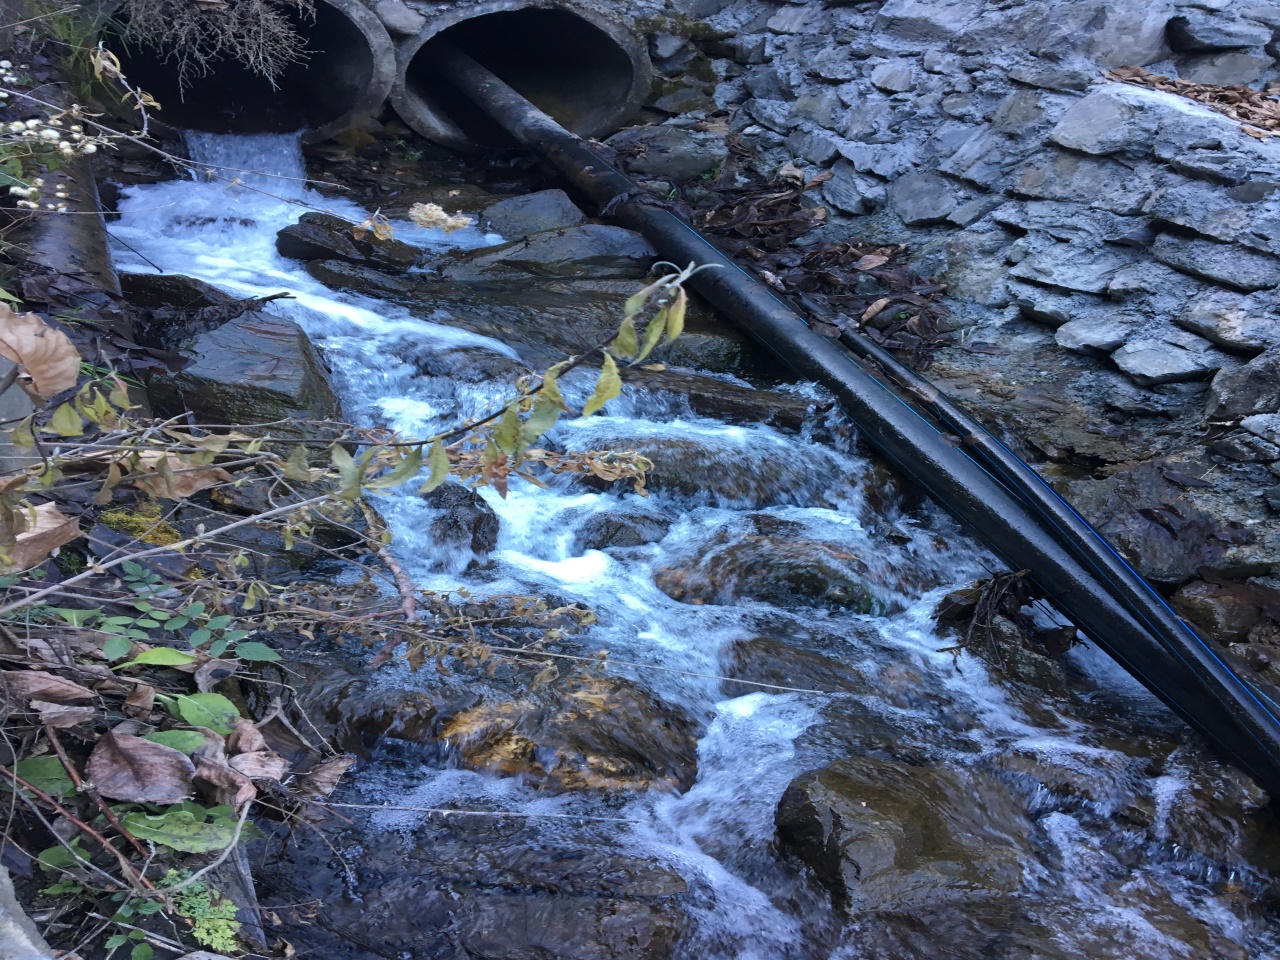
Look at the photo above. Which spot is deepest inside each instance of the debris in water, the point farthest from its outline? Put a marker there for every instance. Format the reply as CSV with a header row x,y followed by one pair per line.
x,y
432,215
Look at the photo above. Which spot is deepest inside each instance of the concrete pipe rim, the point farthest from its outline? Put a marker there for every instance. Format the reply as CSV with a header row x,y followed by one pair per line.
x,y
434,124
366,103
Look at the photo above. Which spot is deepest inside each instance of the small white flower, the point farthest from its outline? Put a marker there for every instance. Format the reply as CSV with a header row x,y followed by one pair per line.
x,y
76,128
49,134
5,65
88,148
4,94
38,182
32,124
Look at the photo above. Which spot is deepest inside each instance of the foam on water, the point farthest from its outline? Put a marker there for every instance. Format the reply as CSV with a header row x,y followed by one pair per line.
x,y
718,833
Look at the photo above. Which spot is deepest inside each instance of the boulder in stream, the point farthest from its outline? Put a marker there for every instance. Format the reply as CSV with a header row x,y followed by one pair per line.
x,y
880,835
518,217
582,733
591,250
323,236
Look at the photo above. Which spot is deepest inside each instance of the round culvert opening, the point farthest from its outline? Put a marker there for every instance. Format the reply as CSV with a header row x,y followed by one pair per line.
x,y
346,76
587,71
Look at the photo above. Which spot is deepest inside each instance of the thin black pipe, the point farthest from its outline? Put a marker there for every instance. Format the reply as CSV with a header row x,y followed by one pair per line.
x,y
1187,676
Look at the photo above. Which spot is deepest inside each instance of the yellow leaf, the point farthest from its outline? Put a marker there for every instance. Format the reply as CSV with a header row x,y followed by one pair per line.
x,y
349,473
675,315
66,422
653,333
297,467
607,387
438,462
507,437
625,343
404,471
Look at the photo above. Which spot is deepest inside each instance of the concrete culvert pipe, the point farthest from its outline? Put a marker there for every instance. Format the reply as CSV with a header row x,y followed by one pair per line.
x,y
584,68
345,77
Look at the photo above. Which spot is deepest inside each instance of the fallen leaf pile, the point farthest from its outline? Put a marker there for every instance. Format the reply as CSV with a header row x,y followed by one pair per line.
x,y
1257,110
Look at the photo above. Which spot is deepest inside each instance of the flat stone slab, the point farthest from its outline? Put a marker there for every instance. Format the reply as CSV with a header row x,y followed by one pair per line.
x,y
517,217
1228,264
1151,361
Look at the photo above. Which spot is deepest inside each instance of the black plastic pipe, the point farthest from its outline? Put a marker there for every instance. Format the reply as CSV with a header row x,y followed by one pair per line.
x,y
1177,668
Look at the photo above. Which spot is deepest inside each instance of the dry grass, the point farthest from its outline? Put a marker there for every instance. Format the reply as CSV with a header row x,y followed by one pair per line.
x,y
194,34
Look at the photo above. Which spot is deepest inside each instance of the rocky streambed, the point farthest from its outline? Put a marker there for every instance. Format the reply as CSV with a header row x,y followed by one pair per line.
x,y
778,753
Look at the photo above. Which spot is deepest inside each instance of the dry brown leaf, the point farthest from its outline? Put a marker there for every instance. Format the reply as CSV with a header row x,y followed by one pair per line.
x,y
223,785
50,531
60,716
246,738
46,352
289,743
872,311
140,771
260,765
870,262
171,477
212,672
23,686
140,702
321,781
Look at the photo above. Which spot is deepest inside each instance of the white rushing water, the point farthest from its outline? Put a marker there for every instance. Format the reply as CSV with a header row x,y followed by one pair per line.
x,y
717,834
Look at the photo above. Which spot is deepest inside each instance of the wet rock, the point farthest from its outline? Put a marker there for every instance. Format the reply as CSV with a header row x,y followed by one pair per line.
x,y
617,528
1153,521
674,152
466,521
1231,320
1243,447
774,565
882,836
1168,360
1243,391
711,397
256,369
581,734
767,660
157,290
590,250
518,217
469,364
1222,263
922,198
1199,31
1226,613
322,236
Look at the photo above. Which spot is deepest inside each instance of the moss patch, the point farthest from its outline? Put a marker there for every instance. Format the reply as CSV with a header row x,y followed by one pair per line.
x,y
142,523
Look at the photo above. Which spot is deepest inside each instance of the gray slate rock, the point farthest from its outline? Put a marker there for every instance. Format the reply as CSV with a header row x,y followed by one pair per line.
x,y
774,114
1151,361
1231,320
517,217
1198,31
814,147
1093,181
1203,209
1247,390
1223,263
1227,68
850,192
1096,333
591,250
322,236
399,19
1264,425
671,151
1071,266
927,19
896,76
922,198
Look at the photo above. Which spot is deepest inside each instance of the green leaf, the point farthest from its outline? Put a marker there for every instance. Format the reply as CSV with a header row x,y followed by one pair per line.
x,y
137,935
194,610
405,470
176,623
77,618
219,647
607,387
146,908
235,636
45,773
438,463
200,636
116,941
184,741
349,473
159,657
625,343
544,416
180,830
211,710
66,422
256,652
507,436
60,858
298,466
116,647
220,622
62,888
141,951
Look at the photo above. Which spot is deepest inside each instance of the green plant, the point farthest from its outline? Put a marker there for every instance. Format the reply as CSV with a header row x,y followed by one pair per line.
x,y
212,916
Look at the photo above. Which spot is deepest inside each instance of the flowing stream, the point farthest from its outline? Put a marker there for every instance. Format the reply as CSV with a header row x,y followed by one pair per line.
x,y
1137,844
